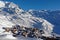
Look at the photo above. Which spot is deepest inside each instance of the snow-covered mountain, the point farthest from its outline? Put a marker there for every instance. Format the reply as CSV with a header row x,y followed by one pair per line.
x,y
11,14
49,15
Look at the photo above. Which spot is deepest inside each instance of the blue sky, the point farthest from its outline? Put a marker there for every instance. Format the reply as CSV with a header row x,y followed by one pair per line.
x,y
37,4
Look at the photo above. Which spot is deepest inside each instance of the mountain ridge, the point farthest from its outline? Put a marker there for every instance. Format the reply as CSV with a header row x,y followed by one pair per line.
x,y
11,15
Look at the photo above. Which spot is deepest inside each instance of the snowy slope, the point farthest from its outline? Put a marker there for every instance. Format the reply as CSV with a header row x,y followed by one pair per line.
x,y
50,15
11,14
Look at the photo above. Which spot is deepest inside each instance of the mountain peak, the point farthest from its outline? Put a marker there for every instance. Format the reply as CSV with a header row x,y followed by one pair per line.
x,y
10,7
15,15
7,4
2,4
11,14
